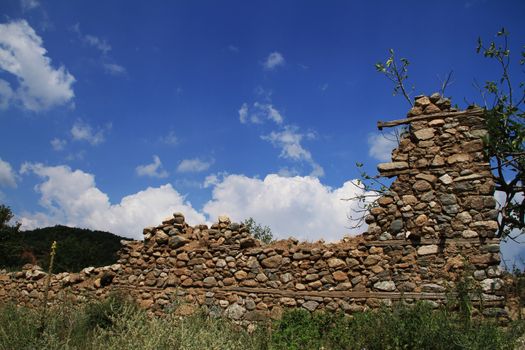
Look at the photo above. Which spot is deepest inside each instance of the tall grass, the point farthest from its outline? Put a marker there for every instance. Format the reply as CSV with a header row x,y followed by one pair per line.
x,y
118,324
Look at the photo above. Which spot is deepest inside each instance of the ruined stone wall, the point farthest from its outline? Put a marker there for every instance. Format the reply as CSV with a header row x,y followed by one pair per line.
x,y
435,225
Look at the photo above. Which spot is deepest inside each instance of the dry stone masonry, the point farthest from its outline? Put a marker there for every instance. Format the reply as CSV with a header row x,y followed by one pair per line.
x,y
435,225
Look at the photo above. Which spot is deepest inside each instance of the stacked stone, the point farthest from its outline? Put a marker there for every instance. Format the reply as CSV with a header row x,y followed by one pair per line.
x,y
27,286
444,186
436,221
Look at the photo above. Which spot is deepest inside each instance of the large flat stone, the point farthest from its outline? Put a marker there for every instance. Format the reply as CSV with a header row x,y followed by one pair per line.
x,y
427,249
392,166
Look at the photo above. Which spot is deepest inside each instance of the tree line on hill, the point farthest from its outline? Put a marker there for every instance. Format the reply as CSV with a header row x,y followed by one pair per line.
x,y
77,248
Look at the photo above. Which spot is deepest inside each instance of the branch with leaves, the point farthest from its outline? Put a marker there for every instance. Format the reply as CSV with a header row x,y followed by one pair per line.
x,y
396,72
505,142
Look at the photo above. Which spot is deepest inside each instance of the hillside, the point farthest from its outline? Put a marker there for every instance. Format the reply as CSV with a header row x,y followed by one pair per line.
x,y
77,248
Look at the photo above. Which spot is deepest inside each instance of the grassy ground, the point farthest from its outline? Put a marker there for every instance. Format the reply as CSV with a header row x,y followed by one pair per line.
x,y
117,324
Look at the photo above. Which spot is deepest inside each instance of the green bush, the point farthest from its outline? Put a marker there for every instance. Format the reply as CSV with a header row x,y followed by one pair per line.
x,y
402,327
115,323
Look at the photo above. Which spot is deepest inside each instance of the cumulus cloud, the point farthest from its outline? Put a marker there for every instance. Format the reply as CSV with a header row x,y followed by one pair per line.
x,y
81,131
71,197
301,207
7,175
381,146
289,141
292,206
40,86
58,144
194,165
274,60
258,113
152,170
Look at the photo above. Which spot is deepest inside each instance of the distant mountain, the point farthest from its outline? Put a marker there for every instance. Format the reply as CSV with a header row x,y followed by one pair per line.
x,y
76,248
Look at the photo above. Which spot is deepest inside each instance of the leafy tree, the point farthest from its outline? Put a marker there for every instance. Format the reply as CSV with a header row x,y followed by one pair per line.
x,y
5,216
262,233
503,102
505,142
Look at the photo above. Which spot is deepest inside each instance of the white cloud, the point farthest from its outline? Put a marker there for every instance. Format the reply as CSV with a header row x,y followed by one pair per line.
x,y
28,5
7,175
274,60
289,141
6,94
58,144
153,170
243,113
71,197
381,146
170,139
210,180
114,69
291,206
97,43
301,207
40,86
82,131
259,113
104,47
194,165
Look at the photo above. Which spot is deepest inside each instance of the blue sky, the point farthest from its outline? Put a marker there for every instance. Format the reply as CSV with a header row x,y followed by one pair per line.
x,y
116,113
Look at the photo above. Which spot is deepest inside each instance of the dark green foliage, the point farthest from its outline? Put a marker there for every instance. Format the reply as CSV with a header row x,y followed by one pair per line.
x,y
77,248
505,144
101,314
118,324
404,327
262,233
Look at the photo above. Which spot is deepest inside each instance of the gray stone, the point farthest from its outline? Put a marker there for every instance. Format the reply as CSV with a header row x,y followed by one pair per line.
x,y
491,284
445,179
396,226
209,282
422,186
494,271
458,158
464,217
469,234
433,288
485,225
286,277
336,263
443,103
428,249
451,209
386,286
249,304
424,134
385,236
447,199
161,237
272,262
310,305
422,101
435,97
384,167
480,275
235,311
177,242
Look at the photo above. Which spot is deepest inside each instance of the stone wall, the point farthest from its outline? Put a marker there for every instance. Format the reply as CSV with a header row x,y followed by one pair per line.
x,y
434,225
